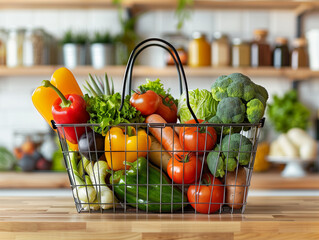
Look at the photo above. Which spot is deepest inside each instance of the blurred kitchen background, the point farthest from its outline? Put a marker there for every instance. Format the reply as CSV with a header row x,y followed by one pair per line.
x,y
96,37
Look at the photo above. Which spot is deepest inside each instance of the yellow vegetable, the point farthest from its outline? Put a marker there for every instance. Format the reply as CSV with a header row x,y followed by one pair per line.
x,y
261,163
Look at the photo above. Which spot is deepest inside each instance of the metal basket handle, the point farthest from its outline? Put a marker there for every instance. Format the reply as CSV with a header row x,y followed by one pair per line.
x,y
138,49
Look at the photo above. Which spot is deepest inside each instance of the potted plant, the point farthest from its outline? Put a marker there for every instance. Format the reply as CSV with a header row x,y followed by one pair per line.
x,y
102,51
74,49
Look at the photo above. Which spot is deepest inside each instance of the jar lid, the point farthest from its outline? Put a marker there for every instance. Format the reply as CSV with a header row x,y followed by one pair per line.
x,y
218,35
260,32
237,41
300,42
197,35
281,40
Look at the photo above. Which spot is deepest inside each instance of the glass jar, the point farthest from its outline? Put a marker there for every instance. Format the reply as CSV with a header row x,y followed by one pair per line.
x,y
220,50
260,49
240,53
3,39
179,41
299,55
33,47
199,51
14,53
281,56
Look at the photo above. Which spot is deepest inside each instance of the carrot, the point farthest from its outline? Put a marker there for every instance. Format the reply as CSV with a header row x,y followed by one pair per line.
x,y
166,135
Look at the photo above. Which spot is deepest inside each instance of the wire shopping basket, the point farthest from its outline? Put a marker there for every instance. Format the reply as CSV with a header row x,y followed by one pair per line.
x,y
131,174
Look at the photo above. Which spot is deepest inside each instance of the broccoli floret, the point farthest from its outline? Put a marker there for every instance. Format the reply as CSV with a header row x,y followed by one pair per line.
x,y
262,91
255,110
233,85
219,88
231,110
237,146
215,162
230,164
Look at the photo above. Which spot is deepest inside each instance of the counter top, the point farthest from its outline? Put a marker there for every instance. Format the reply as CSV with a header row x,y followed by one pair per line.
x,y
265,217
56,180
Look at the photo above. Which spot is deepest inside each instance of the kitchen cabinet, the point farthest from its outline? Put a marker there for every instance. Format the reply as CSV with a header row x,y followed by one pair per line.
x,y
264,218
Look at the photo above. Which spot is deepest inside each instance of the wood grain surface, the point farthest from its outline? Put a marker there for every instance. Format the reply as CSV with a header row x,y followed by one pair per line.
x,y
9,180
56,218
52,180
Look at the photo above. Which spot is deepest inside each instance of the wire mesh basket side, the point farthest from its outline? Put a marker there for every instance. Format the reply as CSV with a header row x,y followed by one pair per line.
x,y
161,194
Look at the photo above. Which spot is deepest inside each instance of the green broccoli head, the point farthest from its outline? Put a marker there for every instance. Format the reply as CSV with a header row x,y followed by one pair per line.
x,y
233,85
255,110
230,164
219,88
231,110
215,162
237,146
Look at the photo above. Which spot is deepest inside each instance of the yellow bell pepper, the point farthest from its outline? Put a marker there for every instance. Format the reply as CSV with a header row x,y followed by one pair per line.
x,y
43,98
119,146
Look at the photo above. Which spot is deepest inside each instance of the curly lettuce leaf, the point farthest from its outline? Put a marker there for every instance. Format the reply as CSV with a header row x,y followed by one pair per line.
x,y
104,110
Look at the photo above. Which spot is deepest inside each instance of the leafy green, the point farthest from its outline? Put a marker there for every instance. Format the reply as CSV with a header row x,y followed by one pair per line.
x,y
288,112
201,102
7,160
104,110
215,162
157,87
99,37
182,13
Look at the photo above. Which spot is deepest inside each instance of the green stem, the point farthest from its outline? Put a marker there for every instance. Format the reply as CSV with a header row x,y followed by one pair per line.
x,y
64,102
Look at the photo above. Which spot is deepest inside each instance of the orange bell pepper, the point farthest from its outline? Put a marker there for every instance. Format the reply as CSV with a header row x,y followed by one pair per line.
x,y
43,98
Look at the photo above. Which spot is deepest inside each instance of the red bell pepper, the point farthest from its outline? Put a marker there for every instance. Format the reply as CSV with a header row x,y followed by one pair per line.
x,y
69,109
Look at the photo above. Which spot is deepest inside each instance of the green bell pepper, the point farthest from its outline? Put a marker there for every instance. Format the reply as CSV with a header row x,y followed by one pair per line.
x,y
159,192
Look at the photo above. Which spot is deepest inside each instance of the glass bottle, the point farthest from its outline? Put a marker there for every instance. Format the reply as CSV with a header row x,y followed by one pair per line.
x,y
33,46
179,41
281,56
14,53
199,51
260,49
220,50
299,55
240,53
3,38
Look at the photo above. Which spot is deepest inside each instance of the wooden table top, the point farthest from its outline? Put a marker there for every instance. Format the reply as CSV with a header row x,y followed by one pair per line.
x,y
56,218
53,180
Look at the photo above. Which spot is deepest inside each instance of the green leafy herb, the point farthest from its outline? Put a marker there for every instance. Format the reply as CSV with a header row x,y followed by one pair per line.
x,y
288,112
104,110
182,13
102,38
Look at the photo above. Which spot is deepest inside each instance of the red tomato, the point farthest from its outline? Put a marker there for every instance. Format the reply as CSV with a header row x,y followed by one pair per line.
x,y
147,103
206,199
193,138
167,109
184,165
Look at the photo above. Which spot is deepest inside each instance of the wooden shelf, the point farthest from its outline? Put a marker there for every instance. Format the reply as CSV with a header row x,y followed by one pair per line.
x,y
75,4
20,180
274,181
146,5
146,71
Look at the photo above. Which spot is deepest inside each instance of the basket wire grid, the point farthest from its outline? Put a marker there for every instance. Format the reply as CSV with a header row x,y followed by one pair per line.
x,y
81,192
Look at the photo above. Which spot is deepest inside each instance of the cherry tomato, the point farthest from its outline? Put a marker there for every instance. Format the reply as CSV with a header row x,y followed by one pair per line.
x,y
193,138
167,109
147,103
206,199
184,165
